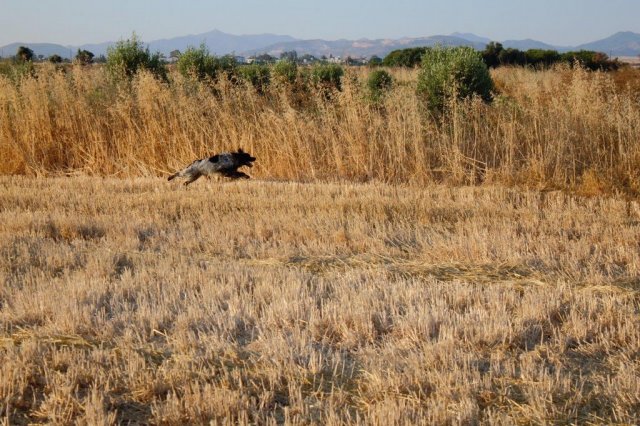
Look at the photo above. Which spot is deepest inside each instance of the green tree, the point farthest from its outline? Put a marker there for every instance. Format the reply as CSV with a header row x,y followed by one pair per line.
x,y
591,60
452,71
308,59
265,58
55,59
200,64
290,55
512,57
375,61
84,57
409,58
22,65
129,56
491,54
24,54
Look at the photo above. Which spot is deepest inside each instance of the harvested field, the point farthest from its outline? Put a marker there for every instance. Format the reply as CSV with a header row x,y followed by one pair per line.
x,y
136,301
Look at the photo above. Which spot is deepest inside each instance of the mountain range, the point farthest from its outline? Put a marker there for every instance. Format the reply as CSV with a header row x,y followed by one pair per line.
x,y
220,43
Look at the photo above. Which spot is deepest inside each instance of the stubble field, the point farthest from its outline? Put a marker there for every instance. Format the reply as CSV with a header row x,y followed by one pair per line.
x,y
137,301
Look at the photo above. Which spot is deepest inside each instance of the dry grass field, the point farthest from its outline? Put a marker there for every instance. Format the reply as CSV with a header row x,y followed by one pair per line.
x,y
386,266
138,301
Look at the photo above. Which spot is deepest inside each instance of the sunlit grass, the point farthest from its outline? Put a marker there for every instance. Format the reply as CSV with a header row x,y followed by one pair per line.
x,y
136,300
561,128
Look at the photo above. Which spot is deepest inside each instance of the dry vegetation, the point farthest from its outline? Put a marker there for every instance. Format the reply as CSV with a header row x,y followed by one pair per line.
x,y
561,128
136,301
322,300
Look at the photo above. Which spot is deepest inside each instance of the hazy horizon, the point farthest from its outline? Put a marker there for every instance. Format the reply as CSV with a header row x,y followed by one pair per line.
x,y
76,22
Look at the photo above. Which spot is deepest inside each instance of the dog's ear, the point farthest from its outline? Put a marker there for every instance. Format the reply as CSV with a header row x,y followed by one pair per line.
x,y
240,151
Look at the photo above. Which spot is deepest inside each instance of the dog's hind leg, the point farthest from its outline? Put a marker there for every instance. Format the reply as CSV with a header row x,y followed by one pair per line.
x,y
192,179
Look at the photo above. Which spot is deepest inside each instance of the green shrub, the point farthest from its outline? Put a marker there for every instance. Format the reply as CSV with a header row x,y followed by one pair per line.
x,y
127,57
285,71
378,83
511,56
15,69
408,58
327,76
591,60
541,57
6,68
229,66
258,75
449,71
199,64
495,55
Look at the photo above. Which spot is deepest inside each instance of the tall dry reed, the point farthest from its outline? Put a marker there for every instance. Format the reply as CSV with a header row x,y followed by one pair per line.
x,y
559,128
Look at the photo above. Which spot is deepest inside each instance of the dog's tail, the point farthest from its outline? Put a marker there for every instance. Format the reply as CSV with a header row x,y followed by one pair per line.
x,y
173,176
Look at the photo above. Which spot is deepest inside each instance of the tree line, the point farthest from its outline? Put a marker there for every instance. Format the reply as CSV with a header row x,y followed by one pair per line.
x,y
84,57
495,55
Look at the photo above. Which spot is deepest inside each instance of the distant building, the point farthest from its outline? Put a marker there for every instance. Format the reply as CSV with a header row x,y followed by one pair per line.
x,y
356,61
263,58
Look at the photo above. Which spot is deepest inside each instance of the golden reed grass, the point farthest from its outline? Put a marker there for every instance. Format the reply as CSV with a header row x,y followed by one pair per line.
x,y
133,301
561,128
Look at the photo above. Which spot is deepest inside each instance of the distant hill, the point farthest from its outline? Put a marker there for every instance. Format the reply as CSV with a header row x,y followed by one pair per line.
x,y
96,48
624,43
220,43
362,47
530,44
44,49
472,37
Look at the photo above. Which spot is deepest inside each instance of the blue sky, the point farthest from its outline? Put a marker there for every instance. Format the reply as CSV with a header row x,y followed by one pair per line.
x,y
560,22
